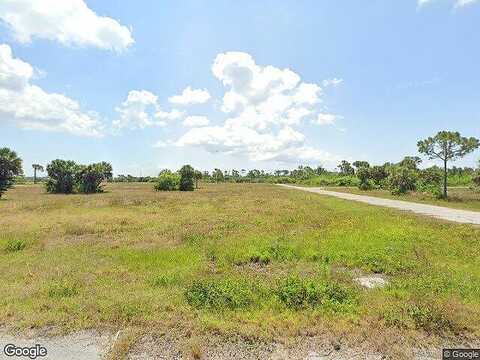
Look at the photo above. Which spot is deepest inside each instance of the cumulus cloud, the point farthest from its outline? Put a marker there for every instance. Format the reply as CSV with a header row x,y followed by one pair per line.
x,y
165,117
332,82
457,3
192,121
190,96
262,104
461,3
141,109
135,111
70,22
326,119
30,107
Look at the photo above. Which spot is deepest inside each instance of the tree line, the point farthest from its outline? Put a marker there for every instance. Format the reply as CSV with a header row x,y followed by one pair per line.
x,y
65,176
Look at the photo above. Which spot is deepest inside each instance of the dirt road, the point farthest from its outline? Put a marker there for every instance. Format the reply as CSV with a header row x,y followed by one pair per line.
x,y
459,216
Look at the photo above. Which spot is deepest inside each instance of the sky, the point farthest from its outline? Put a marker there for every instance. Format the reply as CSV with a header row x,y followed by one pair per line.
x,y
265,84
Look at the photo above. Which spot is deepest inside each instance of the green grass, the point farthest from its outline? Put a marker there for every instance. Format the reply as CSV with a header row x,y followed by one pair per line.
x,y
250,259
459,197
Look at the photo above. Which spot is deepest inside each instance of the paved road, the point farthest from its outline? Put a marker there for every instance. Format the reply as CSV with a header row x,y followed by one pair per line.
x,y
439,212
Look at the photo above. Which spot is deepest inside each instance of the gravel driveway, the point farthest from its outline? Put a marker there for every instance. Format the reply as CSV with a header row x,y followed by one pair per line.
x,y
460,216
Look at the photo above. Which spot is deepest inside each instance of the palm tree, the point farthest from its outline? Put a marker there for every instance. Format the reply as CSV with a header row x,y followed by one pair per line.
x,y
10,166
36,167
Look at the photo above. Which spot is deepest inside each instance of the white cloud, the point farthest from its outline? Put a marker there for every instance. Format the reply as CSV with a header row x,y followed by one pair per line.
x,y
135,111
424,2
30,107
462,3
141,110
169,116
192,121
332,82
287,145
457,3
190,96
326,119
69,22
263,104
261,97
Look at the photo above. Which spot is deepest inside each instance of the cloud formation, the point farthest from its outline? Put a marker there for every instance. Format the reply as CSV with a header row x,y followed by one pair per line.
x,y
30,107
457,3
141,109
70,22
262,105
326,119
190,96
193,121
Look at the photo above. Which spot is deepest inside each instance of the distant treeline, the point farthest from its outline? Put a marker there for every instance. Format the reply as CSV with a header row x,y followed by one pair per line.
x,y
399,178
457,176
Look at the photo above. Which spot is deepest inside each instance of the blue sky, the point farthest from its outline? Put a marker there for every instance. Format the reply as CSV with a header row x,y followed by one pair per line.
x,y
270,84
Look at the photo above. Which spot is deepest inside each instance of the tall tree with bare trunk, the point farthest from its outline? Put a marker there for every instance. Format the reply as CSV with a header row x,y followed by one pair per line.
x,y
447,146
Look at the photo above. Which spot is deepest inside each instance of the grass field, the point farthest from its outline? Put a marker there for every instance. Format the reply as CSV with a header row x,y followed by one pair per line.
x,y
459,197
257,261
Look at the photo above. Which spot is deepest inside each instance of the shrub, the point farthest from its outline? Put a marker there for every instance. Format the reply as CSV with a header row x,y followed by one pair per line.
x,y
89,178
346,181
297,293
64,177
61,175
476,179
167,182
282,180
225,294
402,180
10,168
430,180
363,174
378,174
431,315
187,176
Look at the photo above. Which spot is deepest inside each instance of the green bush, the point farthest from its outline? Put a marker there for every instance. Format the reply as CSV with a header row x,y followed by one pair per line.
x,y
88,179
10,169
297,293
331,179
378,174
65,177
187,177
476,179
364,175
281,180
61,176
225,294
430,315
430,181
167,182
402,180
